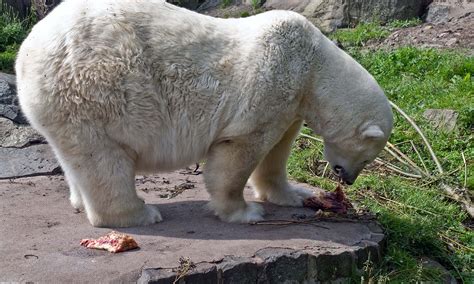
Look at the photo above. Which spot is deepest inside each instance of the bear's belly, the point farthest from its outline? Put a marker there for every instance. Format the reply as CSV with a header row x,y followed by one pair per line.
x,y
168,152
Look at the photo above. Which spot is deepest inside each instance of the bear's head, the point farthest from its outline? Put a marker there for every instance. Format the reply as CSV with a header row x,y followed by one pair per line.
x,y
348,108
348,157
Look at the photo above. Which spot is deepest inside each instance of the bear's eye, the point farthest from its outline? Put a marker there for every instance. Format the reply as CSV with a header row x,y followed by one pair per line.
x,y
366,162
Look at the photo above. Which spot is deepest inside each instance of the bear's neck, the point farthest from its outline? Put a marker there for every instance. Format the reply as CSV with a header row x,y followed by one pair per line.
x,y
340,101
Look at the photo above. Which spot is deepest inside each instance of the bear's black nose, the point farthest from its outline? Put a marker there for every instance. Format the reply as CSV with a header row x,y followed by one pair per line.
x,y
338,170
348,182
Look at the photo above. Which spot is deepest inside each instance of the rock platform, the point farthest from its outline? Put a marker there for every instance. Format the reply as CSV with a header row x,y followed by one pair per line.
x,y
40,235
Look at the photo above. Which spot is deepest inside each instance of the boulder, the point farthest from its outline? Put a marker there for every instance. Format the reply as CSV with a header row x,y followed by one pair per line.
x,y
443,119
332,14
17,136
441,11
444,275
189,4
9,106
30,161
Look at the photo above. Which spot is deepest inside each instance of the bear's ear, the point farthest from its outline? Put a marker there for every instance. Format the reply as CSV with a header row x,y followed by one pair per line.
x,y
373,132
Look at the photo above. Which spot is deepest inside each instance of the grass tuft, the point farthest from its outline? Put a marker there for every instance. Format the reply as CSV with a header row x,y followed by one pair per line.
x,y
12,32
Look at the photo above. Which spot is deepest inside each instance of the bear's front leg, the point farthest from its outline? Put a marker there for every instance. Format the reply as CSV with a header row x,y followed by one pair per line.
x,y
228,167
269,178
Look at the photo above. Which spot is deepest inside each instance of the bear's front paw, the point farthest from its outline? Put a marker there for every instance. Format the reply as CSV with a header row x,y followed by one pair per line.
x,y
290,196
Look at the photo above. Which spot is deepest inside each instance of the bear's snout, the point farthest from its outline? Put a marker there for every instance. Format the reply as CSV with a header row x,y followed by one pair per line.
x,y
345,176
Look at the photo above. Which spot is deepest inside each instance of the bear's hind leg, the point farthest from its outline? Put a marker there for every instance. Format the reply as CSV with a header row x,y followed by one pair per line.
x,y
270,179
104,176
228,167
74,193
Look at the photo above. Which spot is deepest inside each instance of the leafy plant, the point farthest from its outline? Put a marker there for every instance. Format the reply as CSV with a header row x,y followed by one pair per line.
x,y
404,23
256,4
361,34
226,3
12,32
244,14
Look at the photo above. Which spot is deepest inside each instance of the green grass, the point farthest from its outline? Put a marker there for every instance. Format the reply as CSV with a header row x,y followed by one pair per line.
x,y
12,32
226,3
362,33
404,23
256,4
419,219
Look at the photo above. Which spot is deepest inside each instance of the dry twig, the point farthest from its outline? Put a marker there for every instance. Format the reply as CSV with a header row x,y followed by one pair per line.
x,y
452,242
185,265
311,137
419,156
415,126
440,177
407,160
374,195
458,196
465,169
396,169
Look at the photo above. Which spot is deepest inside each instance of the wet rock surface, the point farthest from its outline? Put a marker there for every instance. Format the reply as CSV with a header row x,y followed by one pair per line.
x,y
41,234
18,136
9,106
326,15
30,161
441,11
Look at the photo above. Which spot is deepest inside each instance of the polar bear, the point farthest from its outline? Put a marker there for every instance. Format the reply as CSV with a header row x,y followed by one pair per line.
x,y
125,86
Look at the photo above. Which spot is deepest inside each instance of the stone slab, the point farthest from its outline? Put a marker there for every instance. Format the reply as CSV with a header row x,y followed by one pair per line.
x,y
9,106
443,119
18,136
30,161
40,235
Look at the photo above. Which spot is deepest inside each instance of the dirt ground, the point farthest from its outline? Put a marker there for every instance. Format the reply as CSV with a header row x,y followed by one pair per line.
x,y
455,34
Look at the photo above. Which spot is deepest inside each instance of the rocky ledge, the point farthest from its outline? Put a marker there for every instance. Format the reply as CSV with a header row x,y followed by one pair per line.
x,y
41,232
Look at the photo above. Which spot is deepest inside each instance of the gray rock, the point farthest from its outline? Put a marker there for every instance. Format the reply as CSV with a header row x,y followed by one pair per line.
x,y
452,41
157,276
332,14
190,4
437,14
30,161
238,270
283,265
445,276
443,119
17,136
441,11
208,4
274,265
9,106
205,273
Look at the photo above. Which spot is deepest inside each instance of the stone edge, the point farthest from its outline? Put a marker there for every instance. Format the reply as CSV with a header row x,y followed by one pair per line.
x,y
280,265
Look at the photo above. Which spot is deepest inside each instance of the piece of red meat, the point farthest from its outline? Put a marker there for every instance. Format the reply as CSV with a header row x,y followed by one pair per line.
x,y
334,201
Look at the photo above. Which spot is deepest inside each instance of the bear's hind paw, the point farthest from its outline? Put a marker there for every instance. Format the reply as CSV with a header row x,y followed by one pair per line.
x,y
253,212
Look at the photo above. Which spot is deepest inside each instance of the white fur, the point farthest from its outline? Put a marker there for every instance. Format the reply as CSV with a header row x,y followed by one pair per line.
x,y
121,86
